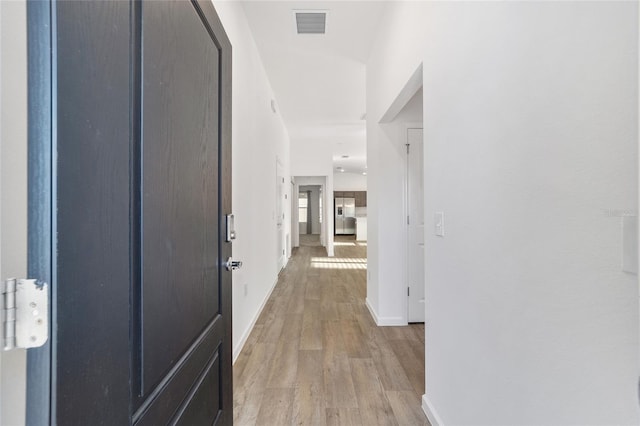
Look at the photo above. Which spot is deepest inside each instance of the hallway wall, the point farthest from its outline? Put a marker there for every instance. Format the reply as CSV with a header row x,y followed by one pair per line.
x,y
349,182
531,134
259,138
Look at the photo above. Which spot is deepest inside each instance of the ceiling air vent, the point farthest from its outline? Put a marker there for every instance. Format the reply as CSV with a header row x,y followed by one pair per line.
x,y
311,22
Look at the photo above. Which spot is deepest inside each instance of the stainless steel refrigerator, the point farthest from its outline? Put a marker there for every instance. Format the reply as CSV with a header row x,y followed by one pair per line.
x,y
345,218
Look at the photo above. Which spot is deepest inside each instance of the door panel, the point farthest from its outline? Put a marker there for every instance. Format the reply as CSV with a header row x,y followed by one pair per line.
x,y
90,288
280,203
141,305
180,233
182,382
201,405
415,227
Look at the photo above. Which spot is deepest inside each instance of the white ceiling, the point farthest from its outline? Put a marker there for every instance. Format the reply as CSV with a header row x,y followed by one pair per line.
x,y
319,80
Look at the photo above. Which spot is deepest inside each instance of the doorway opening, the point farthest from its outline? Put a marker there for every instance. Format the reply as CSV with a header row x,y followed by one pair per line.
x,y
404,113
405,127
412,136
310,214
310,204
402,124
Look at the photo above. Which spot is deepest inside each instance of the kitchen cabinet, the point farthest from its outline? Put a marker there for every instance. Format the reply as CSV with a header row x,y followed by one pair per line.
x,y
360,196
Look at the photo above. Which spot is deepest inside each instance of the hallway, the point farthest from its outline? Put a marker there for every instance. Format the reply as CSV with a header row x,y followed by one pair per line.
x,y
316,357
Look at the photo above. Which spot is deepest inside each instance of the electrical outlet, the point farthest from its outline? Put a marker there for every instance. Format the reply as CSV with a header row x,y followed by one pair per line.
x,y
246,289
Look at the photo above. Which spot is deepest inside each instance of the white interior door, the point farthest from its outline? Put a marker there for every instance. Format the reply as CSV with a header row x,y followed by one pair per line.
x,y
415,227
280,203
13,190
293,207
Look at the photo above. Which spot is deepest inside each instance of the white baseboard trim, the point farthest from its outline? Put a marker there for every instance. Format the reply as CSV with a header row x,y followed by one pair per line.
x,y
247,332
371,311
384,321
431,412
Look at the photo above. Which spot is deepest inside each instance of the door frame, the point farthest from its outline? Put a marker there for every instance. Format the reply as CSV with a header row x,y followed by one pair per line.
x,y
40,262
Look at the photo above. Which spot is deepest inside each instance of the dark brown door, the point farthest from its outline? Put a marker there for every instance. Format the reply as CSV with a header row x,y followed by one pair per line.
x,y
140,186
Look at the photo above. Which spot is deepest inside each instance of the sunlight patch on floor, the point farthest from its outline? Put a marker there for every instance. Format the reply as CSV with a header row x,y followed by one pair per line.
x,y
350,243
339,263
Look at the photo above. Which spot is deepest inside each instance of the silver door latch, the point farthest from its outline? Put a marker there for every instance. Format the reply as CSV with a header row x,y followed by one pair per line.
x,y
232,265
24,305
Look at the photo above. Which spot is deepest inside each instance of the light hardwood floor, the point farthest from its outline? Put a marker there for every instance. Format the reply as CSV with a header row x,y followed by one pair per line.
x,y
315,356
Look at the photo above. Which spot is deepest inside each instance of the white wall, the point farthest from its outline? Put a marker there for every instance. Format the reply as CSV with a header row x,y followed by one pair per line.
x,y
346,181
386,291
412,111
311,158
259,138
13,190
530,123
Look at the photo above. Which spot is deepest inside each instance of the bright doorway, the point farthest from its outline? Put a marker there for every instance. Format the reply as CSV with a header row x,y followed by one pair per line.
x,y
310,214
309,211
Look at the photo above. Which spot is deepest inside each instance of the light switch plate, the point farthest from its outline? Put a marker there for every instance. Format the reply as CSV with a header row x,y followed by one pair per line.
x,y
630,244
438,221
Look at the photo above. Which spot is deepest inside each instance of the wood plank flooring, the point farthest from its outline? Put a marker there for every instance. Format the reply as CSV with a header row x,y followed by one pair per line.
x,y
315,356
